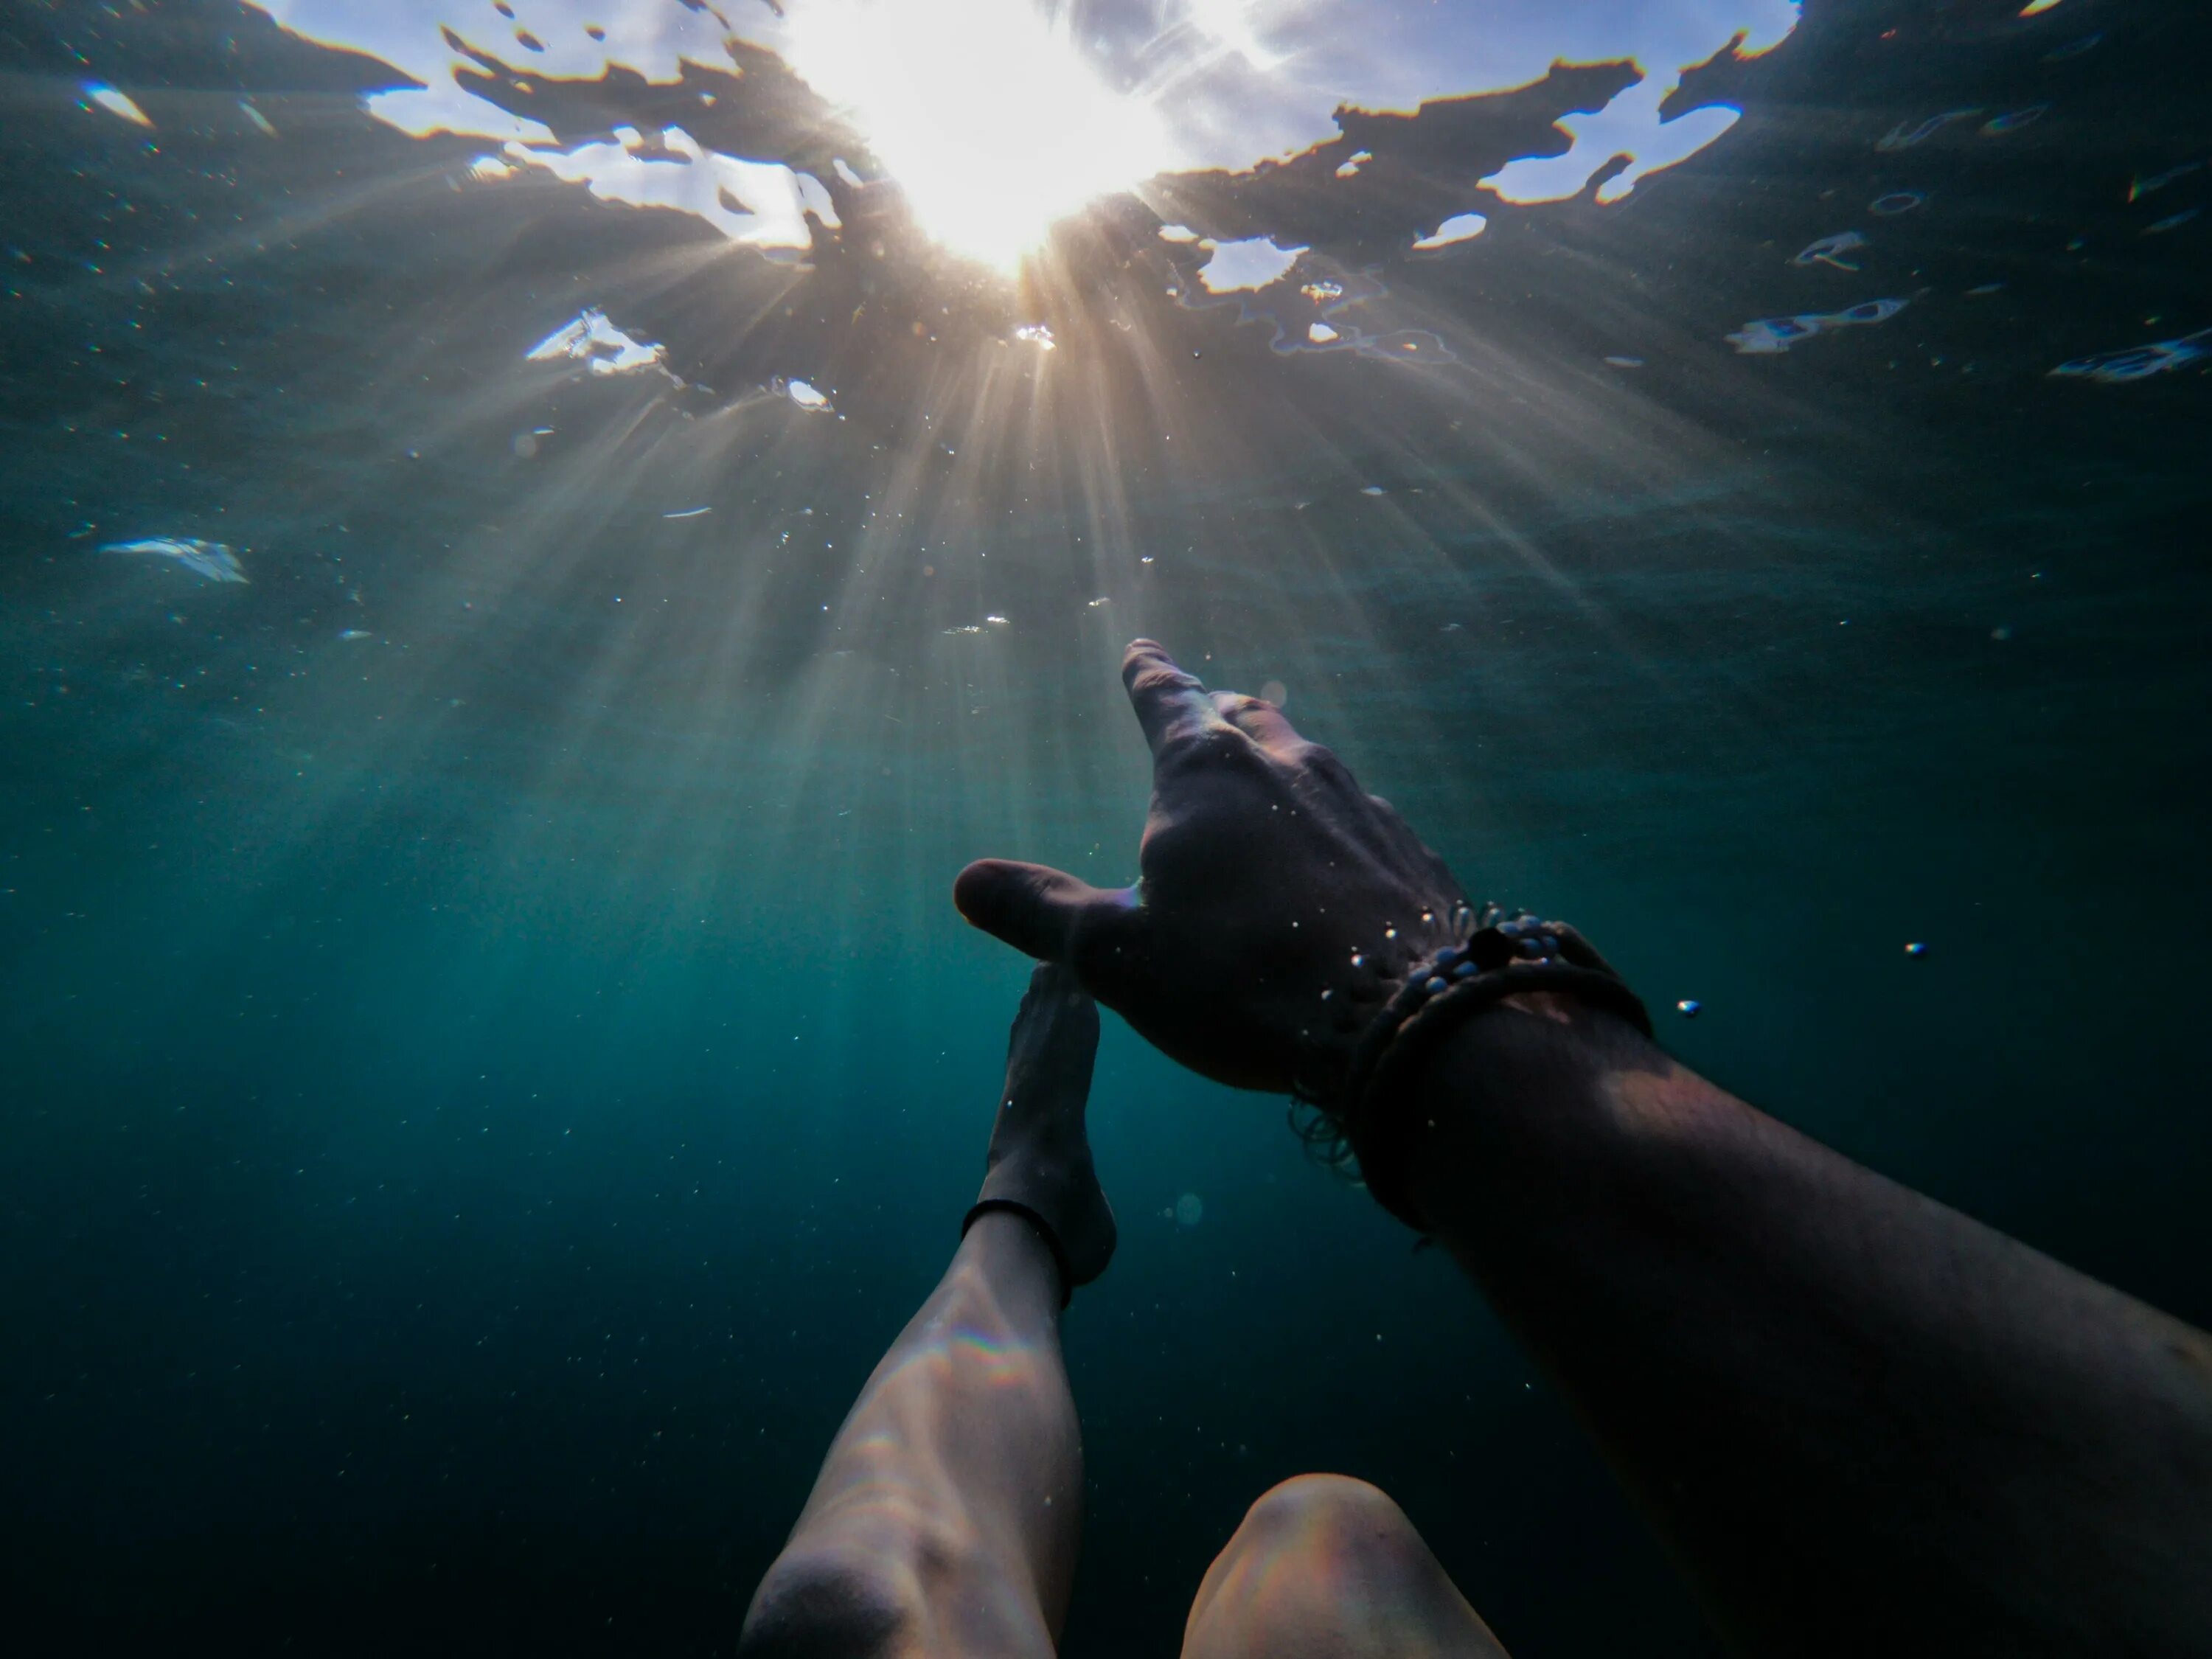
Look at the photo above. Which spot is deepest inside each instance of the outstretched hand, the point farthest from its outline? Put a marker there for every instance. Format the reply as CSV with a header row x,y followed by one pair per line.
x,y
1279,904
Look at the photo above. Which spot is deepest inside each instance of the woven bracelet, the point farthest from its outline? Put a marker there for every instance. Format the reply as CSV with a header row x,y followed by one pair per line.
x,y
1504,956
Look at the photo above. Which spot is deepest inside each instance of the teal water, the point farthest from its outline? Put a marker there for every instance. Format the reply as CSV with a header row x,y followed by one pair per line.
x,y
490,1057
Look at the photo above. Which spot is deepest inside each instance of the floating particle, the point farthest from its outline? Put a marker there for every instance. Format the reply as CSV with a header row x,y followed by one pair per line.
x,y
1037,334
1689,1007
1625,362
1986,288
2171,221
996,621
2034,7
1189,1210
1373,489
354,633
1830,250
1916,948
971,628
813,401
211,559
1099,602
258,120
2139,362
2139,186
1897,202
2073,48
116,103
1768,336
525,445
687,513
1460,227
2001,633
2013,120
1904,135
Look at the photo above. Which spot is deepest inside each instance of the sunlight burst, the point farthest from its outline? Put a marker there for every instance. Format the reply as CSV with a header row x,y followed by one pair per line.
x,y
986,114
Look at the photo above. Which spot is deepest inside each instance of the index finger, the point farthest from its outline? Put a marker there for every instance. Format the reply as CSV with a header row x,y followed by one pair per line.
x,y
1170,703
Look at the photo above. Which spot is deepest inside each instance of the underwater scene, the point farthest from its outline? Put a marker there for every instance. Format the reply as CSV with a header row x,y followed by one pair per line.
x,y
540,535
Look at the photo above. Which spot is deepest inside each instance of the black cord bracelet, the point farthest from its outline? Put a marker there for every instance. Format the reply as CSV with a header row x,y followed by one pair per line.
x,y
1504,956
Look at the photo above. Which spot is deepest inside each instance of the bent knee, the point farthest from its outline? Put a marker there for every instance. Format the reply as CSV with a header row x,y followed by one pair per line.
x,y
1333,1514
1326,1566
826,1606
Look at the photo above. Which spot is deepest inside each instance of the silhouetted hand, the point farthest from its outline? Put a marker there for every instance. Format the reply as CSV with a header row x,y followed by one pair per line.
x,y
1278,906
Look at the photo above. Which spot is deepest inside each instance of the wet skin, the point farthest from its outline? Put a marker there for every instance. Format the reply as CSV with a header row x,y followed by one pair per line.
x,y
944,1523
1860,1419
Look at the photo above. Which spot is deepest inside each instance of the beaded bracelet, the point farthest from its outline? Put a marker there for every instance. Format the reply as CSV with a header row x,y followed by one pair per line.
x,y
1505,956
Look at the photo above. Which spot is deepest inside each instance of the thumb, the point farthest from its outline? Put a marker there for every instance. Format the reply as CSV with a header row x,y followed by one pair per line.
x,y
1033,908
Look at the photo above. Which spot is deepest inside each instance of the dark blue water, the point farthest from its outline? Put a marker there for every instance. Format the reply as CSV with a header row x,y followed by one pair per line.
x,y
476,1097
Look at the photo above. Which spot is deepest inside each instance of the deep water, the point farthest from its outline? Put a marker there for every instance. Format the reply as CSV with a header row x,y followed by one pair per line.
x,y
476,1098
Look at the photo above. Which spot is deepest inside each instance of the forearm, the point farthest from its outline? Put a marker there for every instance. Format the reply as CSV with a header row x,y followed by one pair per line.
x,y
1831,1391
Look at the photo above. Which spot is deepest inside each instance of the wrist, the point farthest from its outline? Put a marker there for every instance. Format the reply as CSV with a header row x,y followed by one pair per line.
x,y
1527,1084
1509,959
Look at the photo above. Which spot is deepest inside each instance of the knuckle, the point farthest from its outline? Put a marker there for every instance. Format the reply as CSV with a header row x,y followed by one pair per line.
x,y
1159,680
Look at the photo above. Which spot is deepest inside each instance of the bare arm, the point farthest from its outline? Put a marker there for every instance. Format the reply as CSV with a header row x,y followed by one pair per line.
x,y
1863,1422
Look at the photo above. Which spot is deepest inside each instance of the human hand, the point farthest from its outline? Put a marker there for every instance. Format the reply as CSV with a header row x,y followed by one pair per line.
x,y
1279,904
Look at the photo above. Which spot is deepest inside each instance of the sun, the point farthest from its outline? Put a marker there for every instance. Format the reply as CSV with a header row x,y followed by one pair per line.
x,y
984,111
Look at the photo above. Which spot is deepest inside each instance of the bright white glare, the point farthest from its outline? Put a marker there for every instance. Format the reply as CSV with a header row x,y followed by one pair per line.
x,y
1230,22
771,200
590,338
807,398
1251,264
985,113
1629,125
117,103
1460,227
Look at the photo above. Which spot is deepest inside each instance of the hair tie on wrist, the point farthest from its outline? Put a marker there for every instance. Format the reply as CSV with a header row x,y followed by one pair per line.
x,y
1505,956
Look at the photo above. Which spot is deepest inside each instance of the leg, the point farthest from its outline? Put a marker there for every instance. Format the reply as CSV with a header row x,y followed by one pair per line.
x,y
1327,1567
946,1517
